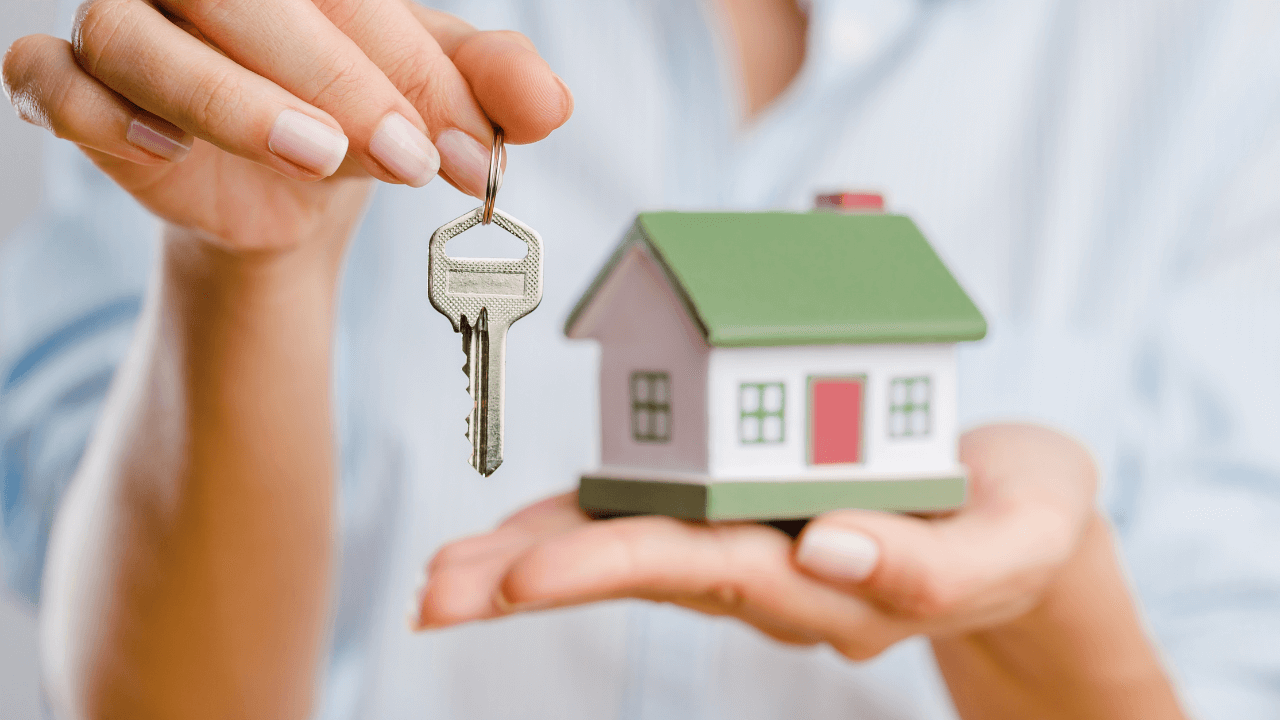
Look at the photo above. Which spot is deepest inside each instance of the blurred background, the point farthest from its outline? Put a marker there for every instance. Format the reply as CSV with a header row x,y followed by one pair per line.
x,y
20,189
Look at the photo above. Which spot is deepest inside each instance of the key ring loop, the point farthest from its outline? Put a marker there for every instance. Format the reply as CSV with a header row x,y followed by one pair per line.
x,y
497,157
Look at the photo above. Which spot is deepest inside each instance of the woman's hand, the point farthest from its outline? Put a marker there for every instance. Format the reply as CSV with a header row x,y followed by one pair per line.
x,y
218,116
251,127
859,581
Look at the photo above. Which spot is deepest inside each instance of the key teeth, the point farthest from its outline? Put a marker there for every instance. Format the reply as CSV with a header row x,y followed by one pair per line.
x,y
478,461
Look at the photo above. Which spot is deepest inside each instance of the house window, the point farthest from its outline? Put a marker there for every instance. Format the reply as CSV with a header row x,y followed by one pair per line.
x,y
761,413
650,407
909,411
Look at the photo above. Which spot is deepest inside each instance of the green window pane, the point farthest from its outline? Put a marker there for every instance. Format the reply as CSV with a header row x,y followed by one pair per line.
x,y
761,413
910,409
650,407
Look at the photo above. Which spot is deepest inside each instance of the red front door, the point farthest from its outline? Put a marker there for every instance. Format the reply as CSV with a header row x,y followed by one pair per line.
x,y
835,420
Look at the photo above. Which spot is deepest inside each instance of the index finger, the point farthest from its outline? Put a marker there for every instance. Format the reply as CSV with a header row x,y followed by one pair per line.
x,y
395,38
513,84
551,556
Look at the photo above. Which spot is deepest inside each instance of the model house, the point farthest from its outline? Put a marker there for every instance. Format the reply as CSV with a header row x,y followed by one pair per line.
x,y
775,365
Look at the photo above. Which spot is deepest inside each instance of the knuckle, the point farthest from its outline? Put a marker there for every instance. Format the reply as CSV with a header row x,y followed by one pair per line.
x,y
728,597
340,83
214,102
856,649
415,73
195,9
96,32
627,541
57,114
931,597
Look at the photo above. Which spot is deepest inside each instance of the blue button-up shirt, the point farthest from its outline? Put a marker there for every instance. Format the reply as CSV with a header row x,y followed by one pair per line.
x,y
1102,177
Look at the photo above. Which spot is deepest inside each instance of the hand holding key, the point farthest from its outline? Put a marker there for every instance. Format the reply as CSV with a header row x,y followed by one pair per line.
x,y
482,297
219,117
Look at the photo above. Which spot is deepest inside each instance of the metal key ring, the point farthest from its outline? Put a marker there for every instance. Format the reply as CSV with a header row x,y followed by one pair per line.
x,y
497,157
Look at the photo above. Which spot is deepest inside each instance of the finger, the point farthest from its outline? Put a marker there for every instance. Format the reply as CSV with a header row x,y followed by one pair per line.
x,y
447,94
789,634
392,39
537,522
133,49
389,34
958,573
462,581
463,576
49,89
745,570
513,84
985,562
296,46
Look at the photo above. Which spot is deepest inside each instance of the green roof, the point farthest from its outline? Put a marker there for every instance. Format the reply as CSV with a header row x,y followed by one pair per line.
x,y
804,278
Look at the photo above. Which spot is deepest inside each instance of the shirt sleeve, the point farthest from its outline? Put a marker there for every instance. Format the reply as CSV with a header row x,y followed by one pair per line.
x,y
71,285
1201,528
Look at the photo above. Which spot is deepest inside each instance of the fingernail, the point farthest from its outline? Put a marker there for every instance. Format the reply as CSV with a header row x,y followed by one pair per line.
x,y
413,614
568,94
465,159
404,150
159,137
838,554
307,142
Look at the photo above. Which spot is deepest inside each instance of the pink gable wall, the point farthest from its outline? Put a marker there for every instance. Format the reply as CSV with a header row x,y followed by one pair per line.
x,y
642,326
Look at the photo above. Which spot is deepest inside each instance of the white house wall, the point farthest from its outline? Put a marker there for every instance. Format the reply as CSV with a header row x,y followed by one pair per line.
x,y
882,455
642,326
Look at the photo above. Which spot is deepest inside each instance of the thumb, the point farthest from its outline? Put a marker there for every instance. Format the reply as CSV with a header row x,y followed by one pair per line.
x,y
908,565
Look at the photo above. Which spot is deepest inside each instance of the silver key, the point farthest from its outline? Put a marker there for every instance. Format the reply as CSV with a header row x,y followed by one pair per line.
x,y
482,297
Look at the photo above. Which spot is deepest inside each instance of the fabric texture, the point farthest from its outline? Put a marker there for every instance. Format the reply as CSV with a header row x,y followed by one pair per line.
x,y
1100,177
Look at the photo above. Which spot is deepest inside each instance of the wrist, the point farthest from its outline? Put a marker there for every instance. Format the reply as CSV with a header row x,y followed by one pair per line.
x,y
228,317
190,256
1081,651
299,243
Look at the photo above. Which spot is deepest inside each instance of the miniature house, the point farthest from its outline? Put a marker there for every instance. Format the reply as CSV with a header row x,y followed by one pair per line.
x,y
775,365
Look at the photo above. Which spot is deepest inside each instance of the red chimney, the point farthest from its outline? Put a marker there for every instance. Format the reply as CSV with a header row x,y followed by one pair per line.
x,y
866,202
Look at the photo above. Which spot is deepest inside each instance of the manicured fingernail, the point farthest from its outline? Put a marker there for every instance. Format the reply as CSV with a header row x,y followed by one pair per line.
x,y
159,137
838,554
307,142
404,150
465,159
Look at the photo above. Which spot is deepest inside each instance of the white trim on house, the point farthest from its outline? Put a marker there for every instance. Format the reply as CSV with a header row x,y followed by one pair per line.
x,y
933,454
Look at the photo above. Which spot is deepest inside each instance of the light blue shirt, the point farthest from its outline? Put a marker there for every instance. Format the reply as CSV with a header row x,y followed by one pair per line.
x,y
1103,178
